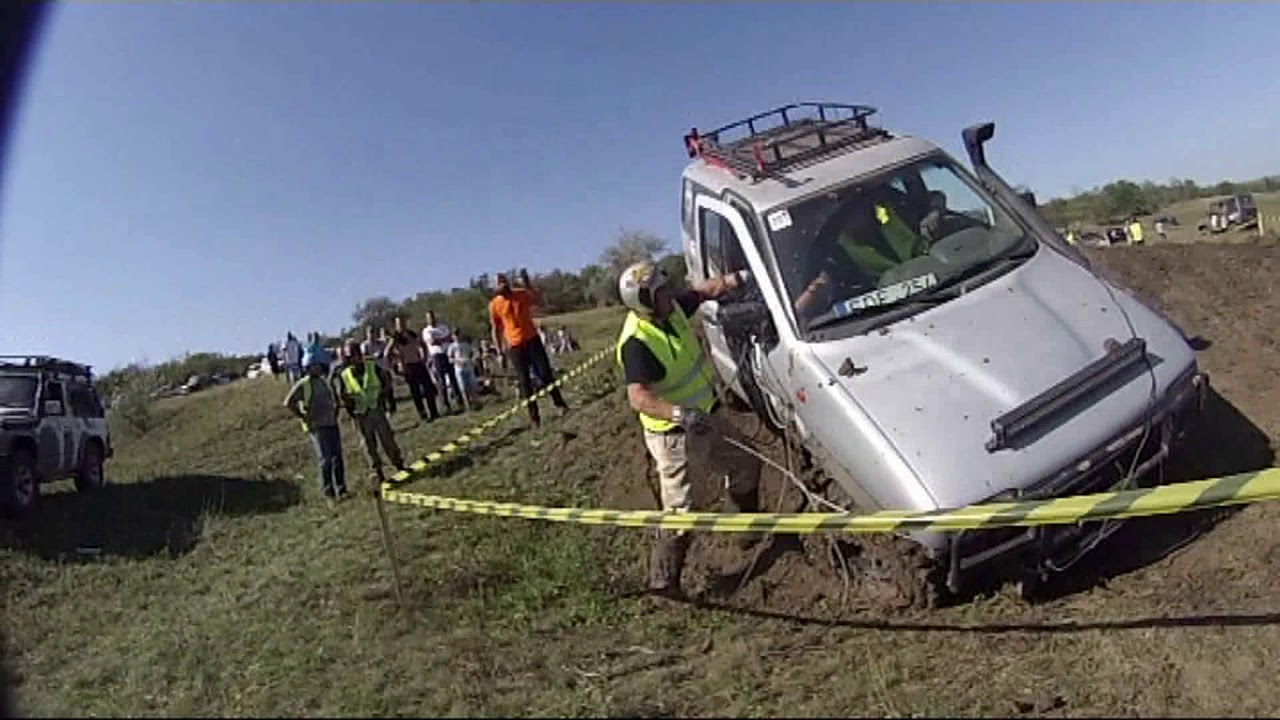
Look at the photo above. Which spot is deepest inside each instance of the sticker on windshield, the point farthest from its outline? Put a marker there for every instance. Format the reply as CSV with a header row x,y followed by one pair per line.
x,y
890,293
780,220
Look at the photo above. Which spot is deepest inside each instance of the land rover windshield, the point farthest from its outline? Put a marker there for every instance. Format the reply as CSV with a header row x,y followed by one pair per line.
x,y
17,392
902,237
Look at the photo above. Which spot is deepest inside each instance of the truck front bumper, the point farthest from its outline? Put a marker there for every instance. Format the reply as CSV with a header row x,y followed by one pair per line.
x,y
1126,462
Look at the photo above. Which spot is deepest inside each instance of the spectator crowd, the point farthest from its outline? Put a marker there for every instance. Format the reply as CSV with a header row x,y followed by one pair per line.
x,y
444,368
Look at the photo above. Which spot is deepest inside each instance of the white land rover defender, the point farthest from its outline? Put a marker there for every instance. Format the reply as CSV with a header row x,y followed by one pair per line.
x,y
52,426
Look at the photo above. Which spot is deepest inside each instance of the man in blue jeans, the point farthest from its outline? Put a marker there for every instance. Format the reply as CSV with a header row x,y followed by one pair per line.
x,y
312,401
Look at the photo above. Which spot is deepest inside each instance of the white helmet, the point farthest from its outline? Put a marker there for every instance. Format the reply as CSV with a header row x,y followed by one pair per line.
x,y
639,283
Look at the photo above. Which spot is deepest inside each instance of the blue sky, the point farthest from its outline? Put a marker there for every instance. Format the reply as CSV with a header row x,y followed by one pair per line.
x,y
205,176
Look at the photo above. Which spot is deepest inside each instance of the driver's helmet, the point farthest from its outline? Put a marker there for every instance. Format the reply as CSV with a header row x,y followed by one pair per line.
x,y
639,283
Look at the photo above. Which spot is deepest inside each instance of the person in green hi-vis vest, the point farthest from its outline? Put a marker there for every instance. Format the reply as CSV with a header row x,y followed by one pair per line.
x,y
670,387
365,389
873,239
312,401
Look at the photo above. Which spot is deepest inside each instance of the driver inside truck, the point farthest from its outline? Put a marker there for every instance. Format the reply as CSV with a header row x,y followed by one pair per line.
x,y
871,239
933,225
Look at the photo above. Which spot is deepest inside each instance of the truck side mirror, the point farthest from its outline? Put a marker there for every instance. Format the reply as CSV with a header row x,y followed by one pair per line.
x,y
1028,197
52,407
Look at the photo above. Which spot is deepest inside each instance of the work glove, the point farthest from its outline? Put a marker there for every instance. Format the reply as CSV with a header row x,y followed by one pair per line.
x,y
693,420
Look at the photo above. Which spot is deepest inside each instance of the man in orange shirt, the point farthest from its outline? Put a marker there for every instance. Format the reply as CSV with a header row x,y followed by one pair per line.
x,y
511,314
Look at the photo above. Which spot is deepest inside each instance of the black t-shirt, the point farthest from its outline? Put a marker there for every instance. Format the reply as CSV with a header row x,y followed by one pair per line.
x,y
638,362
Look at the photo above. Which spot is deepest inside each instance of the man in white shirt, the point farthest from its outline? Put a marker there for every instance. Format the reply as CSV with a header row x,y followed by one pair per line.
x,y
437,337
293,357
462,356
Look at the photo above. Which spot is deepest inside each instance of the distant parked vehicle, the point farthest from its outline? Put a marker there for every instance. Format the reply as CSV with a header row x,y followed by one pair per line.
x,y
1236,211
195,383
52,426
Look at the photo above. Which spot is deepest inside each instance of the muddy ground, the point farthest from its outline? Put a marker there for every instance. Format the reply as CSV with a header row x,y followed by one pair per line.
x,y
1212,572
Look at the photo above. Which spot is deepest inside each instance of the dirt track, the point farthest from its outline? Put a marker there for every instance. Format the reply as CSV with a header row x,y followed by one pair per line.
x,y
1192,595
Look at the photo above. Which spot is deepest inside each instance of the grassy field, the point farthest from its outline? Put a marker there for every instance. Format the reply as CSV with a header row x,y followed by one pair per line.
x,y
1190,213
227,586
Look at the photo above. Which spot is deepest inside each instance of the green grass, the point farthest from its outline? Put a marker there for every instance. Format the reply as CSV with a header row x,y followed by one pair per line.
x,y
227,586
1190,213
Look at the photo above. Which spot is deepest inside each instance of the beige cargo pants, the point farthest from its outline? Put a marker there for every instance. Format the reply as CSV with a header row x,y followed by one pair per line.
x,y
683,458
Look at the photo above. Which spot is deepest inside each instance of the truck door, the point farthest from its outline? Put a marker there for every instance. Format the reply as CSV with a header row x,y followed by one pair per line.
x,y
86,419
720,253
723,244
55,432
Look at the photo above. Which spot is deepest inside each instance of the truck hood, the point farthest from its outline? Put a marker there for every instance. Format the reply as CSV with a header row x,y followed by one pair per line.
x,y
934,382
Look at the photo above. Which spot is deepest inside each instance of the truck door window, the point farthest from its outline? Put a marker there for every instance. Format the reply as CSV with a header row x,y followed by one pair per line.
x,y
721,248
84,404
53,391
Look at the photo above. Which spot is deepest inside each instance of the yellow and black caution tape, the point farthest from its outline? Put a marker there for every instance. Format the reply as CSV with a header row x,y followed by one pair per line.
x,y
1161,500
464,440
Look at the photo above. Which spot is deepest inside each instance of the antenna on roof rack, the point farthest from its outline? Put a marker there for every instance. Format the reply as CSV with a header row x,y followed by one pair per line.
x,y
788,142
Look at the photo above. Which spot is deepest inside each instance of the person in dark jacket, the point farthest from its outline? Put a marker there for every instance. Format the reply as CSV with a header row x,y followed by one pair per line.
x,y
408,354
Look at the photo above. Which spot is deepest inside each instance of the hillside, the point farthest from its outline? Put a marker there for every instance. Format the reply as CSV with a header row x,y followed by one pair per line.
x,y
226,586
1190,213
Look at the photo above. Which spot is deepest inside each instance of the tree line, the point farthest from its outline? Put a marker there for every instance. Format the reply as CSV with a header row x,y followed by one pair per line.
x,y
1114,202
562,291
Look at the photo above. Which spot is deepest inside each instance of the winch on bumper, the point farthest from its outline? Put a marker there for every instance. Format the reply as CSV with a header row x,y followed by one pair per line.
x,y
1127,461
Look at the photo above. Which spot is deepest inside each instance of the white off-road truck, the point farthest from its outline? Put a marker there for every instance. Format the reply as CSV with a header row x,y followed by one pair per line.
x,y
52,426
925,335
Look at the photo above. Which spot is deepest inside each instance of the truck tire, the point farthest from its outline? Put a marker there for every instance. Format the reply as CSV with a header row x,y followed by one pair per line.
x,y
90,476
19,485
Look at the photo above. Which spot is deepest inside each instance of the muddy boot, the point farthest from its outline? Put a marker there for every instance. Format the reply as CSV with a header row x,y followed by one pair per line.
x,y
747,502
666,562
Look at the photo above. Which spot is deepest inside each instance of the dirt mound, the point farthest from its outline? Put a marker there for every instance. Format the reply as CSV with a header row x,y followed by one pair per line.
x,y
1223,298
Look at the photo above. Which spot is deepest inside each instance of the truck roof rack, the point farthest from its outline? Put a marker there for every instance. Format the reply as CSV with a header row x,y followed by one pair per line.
x,y
45,362
786,138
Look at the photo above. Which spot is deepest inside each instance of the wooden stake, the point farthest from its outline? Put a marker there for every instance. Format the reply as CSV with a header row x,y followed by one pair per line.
x,y
386,542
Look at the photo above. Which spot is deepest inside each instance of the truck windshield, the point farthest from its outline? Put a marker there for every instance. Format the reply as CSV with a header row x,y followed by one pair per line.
x,y
17,392
879,241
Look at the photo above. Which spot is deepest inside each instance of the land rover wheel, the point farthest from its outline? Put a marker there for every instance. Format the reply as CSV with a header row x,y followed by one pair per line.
x,y
90,476
19,484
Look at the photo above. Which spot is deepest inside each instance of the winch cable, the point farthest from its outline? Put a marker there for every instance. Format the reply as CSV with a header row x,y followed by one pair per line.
x,y
743,360
1152,400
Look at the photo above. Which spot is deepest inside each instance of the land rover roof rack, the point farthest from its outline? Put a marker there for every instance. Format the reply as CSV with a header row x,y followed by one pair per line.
x,y
786,138
45,362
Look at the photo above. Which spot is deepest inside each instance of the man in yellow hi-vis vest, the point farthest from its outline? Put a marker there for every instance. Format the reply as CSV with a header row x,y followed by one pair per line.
x,y
669,384
1135,232
366,391
312,401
